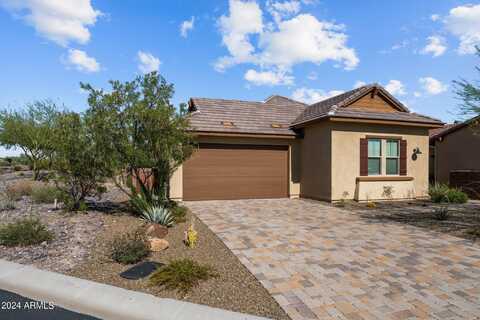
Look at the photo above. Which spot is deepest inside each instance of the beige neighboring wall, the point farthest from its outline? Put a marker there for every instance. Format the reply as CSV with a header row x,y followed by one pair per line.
x,y
176,182
316,161
459,150
346,162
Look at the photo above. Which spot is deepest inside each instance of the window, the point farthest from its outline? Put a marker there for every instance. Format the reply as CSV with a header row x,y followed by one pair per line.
x,y
392,157
374,156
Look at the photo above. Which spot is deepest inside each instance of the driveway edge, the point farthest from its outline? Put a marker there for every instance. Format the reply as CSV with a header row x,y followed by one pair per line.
x,y
101,300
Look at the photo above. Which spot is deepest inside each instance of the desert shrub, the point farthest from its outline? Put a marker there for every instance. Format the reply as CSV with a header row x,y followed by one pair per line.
x,y
158,215
474,232
6,204
24,232
441,213
129,248
443,193
45,193
179,213
18,168
371,205
181,275
456,195
19,189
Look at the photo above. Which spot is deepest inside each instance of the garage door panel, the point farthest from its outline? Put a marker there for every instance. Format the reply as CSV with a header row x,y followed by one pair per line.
x,y
236,172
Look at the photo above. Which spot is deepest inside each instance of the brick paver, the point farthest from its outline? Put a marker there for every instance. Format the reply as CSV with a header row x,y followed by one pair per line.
x,y
321,262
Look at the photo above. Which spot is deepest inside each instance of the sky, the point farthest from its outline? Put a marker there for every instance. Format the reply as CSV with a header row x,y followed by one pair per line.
x,y
240,49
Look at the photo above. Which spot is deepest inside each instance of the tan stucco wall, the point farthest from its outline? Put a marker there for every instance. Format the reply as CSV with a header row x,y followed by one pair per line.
x,y
346,162
176,182
316,161
459,150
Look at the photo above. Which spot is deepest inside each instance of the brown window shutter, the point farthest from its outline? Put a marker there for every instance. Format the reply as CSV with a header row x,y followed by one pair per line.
x,y
363,157
403,157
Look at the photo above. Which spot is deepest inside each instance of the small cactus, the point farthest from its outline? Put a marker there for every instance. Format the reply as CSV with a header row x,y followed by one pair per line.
x,y
191,236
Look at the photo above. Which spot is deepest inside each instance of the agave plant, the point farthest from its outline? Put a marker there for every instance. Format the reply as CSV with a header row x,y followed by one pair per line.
x,y
160,215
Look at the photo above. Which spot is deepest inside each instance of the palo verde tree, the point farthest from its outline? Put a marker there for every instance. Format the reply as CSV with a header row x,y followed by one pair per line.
x,y
469,94
80,164
31,131
141,130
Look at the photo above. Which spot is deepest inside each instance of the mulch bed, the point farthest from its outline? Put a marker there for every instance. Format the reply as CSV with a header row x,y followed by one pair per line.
x,y
81,249
462,218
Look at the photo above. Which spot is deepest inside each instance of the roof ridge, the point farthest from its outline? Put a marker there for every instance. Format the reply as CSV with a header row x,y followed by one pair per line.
x,y
283,97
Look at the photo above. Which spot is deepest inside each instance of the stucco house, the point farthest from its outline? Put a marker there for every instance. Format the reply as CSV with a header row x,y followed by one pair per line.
x,y
455,155
362,144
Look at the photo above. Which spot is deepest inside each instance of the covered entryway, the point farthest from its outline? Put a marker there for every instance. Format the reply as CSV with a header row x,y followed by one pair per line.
x,y
223,172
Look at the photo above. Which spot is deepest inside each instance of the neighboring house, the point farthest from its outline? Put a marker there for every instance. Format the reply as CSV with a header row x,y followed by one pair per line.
x,y
363,144
455,155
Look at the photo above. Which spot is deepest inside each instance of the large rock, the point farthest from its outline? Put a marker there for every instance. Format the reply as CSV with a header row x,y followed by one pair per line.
x,y
156,230
157,244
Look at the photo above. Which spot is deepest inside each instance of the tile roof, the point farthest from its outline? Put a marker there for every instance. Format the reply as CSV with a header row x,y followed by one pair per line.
x,y
278,115
452,127
432,133
247,116
334,106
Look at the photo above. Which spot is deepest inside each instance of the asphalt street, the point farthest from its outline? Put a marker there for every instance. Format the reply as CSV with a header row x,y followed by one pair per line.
x,y
16,307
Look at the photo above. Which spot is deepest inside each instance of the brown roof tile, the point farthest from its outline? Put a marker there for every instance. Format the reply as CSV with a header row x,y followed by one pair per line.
x,y
246,116
334,106
278,115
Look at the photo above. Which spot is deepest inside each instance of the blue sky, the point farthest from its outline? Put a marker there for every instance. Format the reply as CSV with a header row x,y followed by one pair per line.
x,y
305,49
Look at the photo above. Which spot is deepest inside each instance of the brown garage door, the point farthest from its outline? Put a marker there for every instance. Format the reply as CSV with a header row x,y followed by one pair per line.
x,y
218,172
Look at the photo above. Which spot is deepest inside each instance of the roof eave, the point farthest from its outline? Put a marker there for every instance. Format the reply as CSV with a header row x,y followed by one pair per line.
x,y
340,118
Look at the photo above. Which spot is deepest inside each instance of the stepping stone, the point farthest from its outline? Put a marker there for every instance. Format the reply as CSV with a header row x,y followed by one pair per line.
x,y
141,270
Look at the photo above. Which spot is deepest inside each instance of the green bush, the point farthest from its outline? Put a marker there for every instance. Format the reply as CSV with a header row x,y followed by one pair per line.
x,y
24,232
45,194
129,248
179,213
181,275
443,193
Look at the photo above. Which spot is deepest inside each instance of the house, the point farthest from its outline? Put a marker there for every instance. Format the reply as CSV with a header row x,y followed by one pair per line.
x,y
455,155
362,144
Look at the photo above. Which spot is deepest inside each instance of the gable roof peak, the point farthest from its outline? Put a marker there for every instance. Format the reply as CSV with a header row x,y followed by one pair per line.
x,y
278,99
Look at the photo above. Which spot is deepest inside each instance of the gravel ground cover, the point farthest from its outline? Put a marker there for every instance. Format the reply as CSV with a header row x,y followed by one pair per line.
x,y
81,249
460,221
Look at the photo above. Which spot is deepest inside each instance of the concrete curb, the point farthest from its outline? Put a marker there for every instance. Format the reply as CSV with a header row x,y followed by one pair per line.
x,y
100,300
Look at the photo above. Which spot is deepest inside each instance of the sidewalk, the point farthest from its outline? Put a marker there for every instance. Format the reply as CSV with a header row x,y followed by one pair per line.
x,y
100,300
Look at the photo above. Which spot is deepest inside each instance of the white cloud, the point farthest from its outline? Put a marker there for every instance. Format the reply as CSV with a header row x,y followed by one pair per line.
x,y
245,18
61,21
432,86
147,62
436,46
312,76
464,22
283,43
358,84
306,39
395,87
270,78
81,61
186,26
434,17
400,45
417,94
310,96
280,10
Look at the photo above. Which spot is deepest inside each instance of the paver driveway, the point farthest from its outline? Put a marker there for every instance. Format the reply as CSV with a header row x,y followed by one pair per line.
x,y
328,263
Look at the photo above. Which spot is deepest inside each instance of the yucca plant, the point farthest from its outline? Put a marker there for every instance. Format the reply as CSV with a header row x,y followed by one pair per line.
x,y
160,215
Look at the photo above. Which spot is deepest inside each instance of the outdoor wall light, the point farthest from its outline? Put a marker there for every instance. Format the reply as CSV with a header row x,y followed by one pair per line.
x,y
415,154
